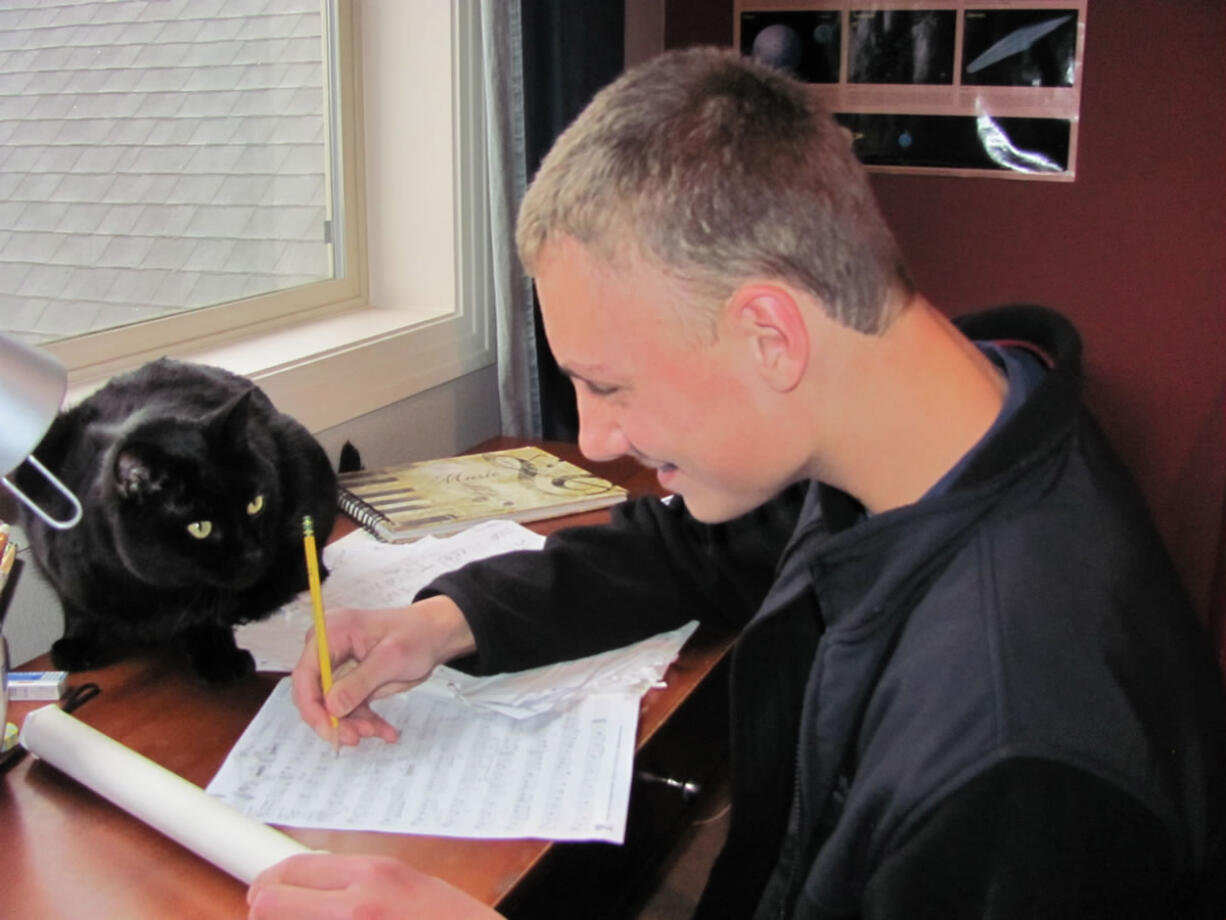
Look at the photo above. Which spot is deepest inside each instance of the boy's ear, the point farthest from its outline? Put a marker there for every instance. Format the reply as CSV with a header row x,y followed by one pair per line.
x,y
772,324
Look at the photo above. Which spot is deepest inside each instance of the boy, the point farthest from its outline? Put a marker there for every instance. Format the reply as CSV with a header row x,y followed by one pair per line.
x,y
967,683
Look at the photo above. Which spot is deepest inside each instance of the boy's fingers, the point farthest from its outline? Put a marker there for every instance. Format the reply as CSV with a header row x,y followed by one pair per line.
x,y
379,674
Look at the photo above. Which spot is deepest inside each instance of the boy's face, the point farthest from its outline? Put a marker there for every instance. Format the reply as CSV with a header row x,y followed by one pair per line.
x,y
657,389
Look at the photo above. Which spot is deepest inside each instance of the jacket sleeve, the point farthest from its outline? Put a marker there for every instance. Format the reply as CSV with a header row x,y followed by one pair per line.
x,y
652,568
1031,839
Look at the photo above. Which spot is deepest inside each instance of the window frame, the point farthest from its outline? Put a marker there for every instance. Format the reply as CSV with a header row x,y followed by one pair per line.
x,y
328,352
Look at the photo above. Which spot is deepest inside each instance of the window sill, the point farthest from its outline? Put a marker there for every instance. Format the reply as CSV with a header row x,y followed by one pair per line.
x,y
330,370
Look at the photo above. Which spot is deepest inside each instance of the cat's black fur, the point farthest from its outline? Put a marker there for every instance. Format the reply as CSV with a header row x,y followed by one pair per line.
x,y
153,455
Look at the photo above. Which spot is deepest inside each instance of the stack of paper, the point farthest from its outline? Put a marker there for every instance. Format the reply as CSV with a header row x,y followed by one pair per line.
x,y
367,574
543,753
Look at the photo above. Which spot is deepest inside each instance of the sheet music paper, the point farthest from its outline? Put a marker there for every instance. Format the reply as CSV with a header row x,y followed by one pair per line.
x,y
547,753
455,771
633,669
366,573
542,753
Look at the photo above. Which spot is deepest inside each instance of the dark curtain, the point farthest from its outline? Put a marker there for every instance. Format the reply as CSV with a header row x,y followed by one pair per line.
x,y
572,48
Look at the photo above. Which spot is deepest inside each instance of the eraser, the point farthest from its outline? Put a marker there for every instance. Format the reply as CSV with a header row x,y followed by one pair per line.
x,y
37,685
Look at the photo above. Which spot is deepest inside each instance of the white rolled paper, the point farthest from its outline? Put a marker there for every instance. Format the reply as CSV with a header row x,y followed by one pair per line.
x,y
214,831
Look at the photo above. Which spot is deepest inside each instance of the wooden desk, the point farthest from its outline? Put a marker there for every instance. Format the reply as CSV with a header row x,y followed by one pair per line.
x,y
70,853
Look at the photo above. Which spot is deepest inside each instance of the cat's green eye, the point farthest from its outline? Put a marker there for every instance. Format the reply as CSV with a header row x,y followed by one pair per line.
x,y
200,529
256,505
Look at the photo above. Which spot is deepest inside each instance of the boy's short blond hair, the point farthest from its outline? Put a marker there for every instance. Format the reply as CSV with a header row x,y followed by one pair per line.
x,y
719,170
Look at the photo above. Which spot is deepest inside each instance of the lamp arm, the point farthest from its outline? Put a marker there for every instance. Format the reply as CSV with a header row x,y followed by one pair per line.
x,y
63,490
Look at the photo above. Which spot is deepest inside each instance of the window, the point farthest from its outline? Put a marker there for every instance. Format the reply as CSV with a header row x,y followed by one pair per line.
x,y
321,278
165,157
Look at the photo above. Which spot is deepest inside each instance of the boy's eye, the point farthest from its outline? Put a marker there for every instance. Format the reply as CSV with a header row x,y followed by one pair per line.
x,y
597,389
256,505
200,529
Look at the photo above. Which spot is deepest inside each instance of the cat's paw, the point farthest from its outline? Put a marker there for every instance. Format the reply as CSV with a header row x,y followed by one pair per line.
x,y
223,666
77,653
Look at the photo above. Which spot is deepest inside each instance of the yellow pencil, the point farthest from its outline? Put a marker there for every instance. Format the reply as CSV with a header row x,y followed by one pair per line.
x,y
7,555
321,632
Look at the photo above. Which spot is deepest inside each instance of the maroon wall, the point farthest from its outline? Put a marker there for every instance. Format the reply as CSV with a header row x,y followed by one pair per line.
x,y
1134,250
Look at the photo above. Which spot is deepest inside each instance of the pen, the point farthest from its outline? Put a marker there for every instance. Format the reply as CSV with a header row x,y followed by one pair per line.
x,y
317,606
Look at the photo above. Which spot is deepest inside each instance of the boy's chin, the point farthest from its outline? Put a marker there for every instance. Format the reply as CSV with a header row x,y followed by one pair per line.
x,y
716,508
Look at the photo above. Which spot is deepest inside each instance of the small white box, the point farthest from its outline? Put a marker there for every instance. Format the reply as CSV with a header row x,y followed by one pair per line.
x,y
36,685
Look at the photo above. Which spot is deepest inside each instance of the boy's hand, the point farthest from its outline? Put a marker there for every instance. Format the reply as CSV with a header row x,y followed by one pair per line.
x,y
376,653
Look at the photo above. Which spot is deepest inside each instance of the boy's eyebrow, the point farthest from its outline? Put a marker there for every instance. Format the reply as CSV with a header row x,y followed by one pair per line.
x,y
576,376
572,373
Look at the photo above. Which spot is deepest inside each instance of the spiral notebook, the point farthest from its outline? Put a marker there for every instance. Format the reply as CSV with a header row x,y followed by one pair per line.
x,y
412,500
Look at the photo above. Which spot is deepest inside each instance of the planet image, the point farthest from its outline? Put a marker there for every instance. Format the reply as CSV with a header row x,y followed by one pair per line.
x,y
778,46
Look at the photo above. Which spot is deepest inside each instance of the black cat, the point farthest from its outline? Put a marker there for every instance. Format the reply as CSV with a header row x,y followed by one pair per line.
x,y
194,488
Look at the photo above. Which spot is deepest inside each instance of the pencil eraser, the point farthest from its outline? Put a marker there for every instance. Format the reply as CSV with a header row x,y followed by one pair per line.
x,y
36,685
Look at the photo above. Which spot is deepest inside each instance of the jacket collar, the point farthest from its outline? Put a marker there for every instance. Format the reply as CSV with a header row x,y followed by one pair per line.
x,y
839,545
1052,410
1044,419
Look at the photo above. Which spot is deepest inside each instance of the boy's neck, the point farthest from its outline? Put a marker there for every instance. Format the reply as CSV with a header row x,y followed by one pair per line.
x,y
917,399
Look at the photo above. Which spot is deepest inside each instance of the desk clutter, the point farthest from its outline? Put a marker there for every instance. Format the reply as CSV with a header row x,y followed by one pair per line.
x,y
437,497
8,556
545,753
36,685
222,835
152,707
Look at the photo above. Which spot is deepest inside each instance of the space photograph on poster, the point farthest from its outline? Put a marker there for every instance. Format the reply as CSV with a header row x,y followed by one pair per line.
x,y
954,87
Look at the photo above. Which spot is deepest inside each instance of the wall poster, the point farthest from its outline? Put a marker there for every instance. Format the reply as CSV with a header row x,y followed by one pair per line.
x,y
989,88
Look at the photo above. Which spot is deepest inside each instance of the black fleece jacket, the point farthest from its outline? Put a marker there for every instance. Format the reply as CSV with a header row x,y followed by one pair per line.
x,y
995,703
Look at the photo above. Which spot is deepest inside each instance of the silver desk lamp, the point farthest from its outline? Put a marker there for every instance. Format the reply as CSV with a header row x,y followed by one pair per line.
x,y
32,387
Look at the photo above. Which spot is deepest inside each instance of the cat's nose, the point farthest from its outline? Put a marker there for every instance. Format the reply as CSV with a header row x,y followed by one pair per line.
x,y
250,567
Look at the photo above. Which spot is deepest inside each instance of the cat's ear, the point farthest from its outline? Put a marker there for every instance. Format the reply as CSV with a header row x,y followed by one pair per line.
x,y
101,435
137,477
228,424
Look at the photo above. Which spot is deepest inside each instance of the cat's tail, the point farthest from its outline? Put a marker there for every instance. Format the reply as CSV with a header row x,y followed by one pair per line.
x,y
351,460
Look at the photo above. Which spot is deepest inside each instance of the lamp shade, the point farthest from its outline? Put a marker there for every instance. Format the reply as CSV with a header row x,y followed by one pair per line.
x,y
32,387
